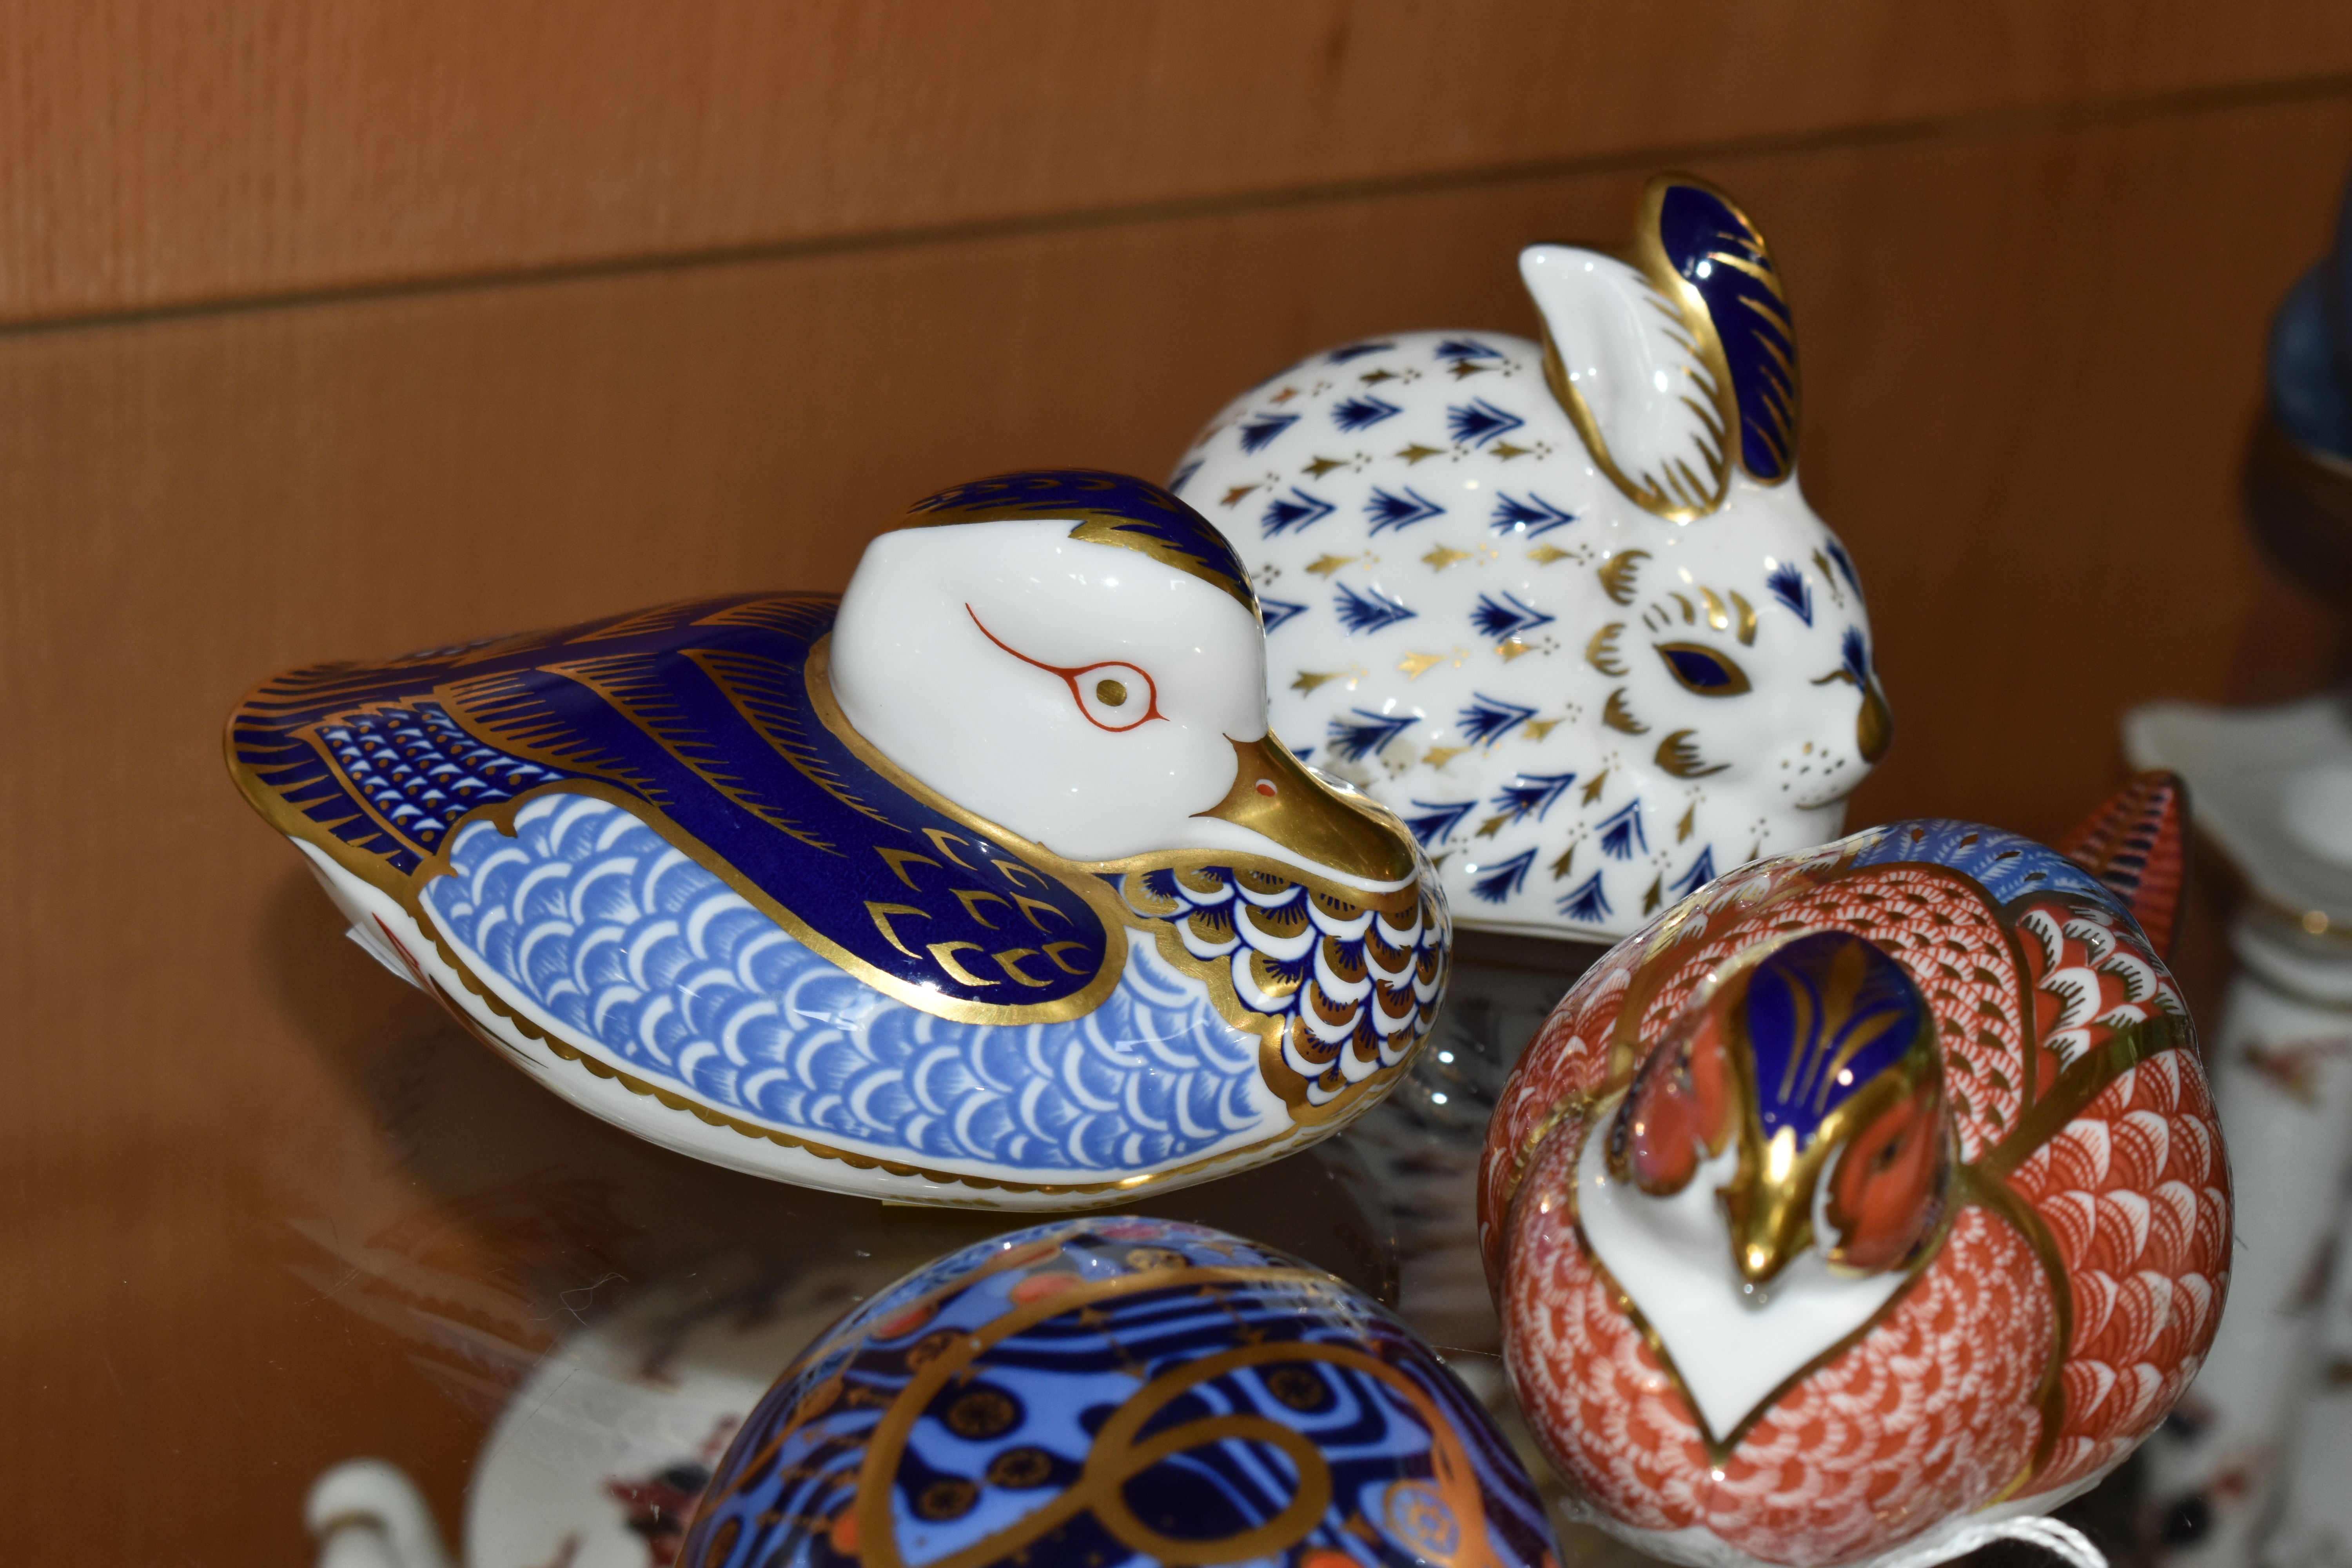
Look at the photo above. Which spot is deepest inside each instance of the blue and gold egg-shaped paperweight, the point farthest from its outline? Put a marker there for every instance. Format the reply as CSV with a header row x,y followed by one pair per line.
x,y
983,883
1114,1392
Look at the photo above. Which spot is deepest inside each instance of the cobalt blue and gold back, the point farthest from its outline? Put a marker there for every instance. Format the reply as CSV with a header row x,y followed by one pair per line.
x,y
983,883
1118,1391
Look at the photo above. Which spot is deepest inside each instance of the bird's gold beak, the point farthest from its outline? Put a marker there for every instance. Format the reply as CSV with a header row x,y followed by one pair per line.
x,y
1769,1205
1274,794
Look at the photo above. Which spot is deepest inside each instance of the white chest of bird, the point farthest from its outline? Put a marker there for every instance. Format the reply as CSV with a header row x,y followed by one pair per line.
x,y
1562,605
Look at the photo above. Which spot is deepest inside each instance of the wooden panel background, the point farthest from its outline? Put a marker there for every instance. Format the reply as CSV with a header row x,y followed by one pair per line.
x,y
274,147
332,338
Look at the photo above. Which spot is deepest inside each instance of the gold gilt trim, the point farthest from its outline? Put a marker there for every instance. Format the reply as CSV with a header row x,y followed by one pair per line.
x,y
673,1100
1617,574
1981,1183
1410,897
1683,495
1582,1106
1694,496
1086,881
1269,781
2081,1083
1216,973
1771,1218
408,890
1404,896
1120,1452
1989,1192
1679,756
1719,1449
1295,1090
1091,525
753,1470
1601,653
1453,1477
1651,977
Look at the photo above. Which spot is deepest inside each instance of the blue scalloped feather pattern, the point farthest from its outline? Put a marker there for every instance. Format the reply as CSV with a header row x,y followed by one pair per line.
x,y
617,937
421,772
1360,1017
2007,865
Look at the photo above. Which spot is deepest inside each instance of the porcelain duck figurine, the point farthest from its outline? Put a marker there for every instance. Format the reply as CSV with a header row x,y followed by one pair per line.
x,y
982,884
1562,605
1869,1202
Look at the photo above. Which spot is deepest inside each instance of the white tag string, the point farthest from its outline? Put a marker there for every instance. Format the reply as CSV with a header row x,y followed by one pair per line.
x,y
2051,1535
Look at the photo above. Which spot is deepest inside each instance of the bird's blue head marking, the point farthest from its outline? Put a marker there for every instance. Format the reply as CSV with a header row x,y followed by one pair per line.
x,y
1825,1015
1111,509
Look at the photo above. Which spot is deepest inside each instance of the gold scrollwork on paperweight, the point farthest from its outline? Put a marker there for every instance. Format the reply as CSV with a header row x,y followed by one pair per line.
x,y
1444,1513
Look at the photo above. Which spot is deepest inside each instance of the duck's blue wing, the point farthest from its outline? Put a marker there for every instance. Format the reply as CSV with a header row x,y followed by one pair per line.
x,y
702,719
587,920
641,838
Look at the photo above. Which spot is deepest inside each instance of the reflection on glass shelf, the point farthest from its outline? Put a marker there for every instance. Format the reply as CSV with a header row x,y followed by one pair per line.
x,y
611,1311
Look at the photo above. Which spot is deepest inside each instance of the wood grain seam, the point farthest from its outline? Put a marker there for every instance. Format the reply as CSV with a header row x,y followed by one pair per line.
x,y
1973,126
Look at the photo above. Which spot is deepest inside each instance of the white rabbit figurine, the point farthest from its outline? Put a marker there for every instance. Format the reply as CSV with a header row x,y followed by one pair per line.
x,y
1562,606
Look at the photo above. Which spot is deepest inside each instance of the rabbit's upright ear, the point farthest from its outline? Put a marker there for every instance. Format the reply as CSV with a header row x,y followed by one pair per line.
x,y
1675,358
2136,842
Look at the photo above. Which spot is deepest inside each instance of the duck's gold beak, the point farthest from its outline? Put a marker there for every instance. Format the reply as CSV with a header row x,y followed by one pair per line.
x,y
1274,794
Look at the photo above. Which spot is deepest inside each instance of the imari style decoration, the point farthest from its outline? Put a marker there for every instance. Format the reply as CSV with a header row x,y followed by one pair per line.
x,y
1870,1200
1562,606
1117,1392
984,883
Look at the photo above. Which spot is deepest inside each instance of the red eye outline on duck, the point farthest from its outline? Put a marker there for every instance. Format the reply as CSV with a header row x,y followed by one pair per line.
x,y
1109,692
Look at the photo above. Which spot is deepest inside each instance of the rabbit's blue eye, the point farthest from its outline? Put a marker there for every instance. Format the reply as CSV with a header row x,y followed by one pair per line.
x,y
1703,671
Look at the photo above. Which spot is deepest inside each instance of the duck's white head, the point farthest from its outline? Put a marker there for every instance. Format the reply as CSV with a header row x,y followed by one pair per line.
x,y
1077,657
1781,1159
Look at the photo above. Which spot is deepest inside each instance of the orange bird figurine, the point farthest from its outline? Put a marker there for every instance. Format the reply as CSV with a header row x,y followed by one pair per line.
x,y
1871,1202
